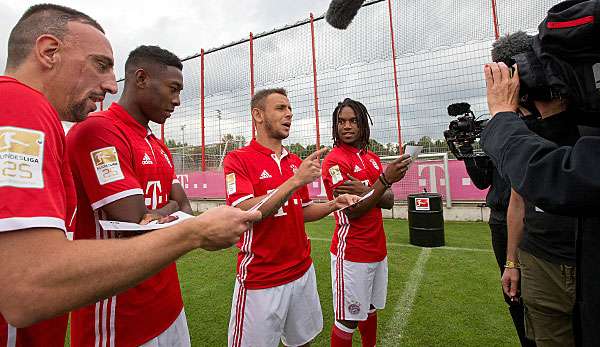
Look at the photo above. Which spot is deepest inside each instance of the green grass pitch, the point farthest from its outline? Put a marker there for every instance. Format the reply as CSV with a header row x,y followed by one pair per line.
x,y
457,301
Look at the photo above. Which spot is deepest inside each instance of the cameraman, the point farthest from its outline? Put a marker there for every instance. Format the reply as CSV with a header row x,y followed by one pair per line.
x,y
562,180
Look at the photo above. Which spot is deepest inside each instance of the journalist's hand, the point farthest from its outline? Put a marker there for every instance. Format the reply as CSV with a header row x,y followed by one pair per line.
x,y
510,283
396,170
502,88
221,227
310,169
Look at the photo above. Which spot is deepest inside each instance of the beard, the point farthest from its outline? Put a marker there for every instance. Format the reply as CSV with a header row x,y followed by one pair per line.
x,y
77,111
273,133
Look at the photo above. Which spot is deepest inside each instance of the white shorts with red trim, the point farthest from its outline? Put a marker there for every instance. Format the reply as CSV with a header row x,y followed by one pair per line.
x,y
290,313
177,335
356,287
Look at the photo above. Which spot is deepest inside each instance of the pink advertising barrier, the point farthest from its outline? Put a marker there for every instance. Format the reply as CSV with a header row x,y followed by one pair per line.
x,y
422,175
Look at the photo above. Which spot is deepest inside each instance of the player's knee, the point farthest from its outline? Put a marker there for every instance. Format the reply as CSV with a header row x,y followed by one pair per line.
x,y
350,324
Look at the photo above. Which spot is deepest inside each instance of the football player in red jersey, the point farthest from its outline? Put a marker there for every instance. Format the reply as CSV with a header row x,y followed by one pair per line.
x,y
59,66
275,296
141,181
358,248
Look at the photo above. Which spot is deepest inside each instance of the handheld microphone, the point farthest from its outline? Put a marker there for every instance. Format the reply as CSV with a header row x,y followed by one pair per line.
x,y
341,12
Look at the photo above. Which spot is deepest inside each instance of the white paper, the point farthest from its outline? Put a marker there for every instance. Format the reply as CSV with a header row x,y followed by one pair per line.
x,y
262,202
414,151
154,225
359,200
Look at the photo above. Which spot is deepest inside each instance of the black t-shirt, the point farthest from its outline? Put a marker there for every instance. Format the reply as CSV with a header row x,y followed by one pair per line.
x,y
549,236
484,174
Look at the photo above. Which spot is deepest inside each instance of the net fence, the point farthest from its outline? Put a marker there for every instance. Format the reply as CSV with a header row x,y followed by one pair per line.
x,y
440,48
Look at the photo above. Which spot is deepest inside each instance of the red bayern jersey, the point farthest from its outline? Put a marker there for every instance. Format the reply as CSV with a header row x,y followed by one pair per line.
x,y
113,157
360,240
35,176
276,250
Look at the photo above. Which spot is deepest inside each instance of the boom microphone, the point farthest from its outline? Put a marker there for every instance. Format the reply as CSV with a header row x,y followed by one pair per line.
x,y
459,109
341,12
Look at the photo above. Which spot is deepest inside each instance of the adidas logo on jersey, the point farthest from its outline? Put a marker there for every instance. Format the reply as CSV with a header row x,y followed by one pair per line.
x,y
357,169
264,175
147,160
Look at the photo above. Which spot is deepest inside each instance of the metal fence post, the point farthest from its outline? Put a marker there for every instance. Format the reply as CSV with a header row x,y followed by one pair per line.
x,y
495,19
400,149
252,79
202,109
314,65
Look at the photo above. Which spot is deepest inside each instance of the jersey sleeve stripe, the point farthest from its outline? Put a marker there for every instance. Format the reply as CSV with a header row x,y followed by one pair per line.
x,y
175,180
242,199
117,196
18,223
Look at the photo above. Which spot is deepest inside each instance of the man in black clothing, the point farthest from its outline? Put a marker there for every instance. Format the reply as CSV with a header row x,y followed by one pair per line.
x,y
483,174
541,248
562,180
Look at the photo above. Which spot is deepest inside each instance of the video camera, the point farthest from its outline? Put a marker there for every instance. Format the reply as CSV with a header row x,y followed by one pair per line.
x,y
463,131
563,60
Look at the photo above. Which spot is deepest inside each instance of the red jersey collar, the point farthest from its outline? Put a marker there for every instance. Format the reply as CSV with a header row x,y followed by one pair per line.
x,y
14,80
262,149
352,149
122,114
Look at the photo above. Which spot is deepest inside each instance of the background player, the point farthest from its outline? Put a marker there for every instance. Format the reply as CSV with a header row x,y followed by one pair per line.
x,y
358,247
141,182
275,296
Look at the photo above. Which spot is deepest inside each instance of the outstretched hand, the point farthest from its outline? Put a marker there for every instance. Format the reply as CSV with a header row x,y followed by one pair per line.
x,y
310,169
345,200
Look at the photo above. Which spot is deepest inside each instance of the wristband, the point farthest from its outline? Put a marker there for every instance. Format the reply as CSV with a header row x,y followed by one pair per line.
x,y
511,265
385,182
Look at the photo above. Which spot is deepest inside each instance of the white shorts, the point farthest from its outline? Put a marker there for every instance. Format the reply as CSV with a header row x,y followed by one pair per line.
x,y
357,286
290,313
176,335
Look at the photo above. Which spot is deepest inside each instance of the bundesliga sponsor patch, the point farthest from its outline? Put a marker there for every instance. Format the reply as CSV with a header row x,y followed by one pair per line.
x,y
106,163
21,158
336,174
230,182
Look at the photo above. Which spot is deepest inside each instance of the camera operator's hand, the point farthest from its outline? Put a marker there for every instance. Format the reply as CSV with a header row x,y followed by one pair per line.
x,y
396,170
510,283
502,88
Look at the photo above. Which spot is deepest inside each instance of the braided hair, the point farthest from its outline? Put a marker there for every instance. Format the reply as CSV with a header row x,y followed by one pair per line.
x,y
363,119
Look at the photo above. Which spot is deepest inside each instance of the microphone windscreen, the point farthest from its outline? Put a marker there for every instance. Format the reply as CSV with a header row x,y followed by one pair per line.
x,y
459,109
341,12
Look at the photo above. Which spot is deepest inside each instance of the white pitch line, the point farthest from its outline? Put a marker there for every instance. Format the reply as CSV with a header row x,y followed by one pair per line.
x,y
413,246
396,324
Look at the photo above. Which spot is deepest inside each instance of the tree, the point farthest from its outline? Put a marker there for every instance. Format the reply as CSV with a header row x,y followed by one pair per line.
x,y
297,149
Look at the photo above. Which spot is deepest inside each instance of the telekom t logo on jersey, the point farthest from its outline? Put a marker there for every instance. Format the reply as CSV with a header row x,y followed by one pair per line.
x,y
153,195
